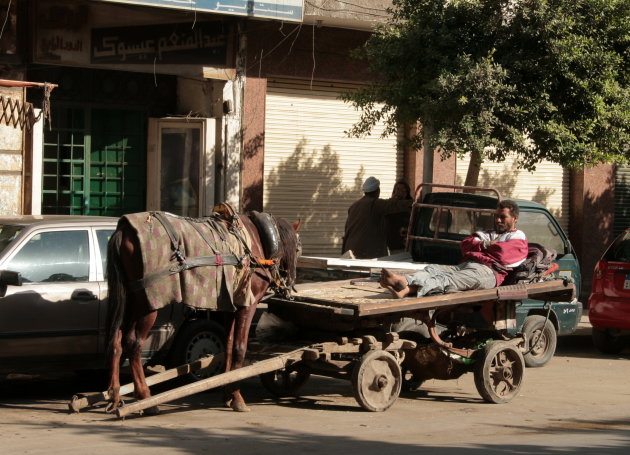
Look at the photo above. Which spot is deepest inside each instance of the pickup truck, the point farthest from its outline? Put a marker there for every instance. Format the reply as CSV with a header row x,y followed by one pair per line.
x,y
442,219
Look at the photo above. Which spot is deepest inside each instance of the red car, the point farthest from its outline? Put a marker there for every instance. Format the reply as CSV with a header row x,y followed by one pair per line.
x,y
609,303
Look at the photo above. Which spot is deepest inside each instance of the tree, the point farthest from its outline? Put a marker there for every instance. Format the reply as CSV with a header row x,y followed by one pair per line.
x,y
545,79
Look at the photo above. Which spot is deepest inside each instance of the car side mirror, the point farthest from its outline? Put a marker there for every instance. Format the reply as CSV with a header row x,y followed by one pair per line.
x,y
10,278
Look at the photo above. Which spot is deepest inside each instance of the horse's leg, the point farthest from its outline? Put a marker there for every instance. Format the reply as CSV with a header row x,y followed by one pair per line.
x,y
228,324
133,347
113,389
242,322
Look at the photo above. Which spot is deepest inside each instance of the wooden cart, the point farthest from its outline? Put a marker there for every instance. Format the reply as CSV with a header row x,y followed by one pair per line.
x,y
344,330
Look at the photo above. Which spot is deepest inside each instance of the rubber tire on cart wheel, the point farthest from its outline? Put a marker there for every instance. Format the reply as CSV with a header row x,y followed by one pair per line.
x,y
285,383
197,339
545,345
499,372
376,381
608,341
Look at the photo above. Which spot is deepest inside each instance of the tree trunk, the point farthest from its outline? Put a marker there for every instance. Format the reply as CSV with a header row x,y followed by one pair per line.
x,y
472,176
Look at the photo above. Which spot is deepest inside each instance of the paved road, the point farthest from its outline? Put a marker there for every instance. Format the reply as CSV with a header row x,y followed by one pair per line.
x,y
580,402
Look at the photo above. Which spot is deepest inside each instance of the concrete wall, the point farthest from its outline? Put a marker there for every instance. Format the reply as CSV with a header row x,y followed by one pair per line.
x,y
11,157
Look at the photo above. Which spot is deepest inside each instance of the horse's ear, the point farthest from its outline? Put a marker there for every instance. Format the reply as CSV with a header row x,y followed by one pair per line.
x,y
296,225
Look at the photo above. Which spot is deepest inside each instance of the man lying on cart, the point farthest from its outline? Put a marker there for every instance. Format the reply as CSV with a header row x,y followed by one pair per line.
x,y
487,258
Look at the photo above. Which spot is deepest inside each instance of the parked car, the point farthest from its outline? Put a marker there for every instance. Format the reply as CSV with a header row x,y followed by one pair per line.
x,y
609,302
53,308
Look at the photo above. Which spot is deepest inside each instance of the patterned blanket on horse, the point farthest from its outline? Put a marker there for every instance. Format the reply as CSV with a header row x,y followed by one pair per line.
x,y
171,277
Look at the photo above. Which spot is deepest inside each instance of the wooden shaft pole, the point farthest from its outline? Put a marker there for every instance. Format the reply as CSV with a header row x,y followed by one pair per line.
x,y
264,366
81,401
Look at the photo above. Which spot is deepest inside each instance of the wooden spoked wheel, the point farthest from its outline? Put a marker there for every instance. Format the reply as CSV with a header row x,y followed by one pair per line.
x,y
499,372
376,380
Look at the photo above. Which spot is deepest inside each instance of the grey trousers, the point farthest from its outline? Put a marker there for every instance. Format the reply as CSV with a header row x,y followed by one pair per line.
x,y
444,279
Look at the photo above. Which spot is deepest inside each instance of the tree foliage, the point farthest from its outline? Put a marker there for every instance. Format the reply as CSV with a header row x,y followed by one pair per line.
x,y
546,79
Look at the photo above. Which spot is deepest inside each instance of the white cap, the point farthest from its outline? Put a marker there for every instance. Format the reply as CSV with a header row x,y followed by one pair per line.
x,y
371,184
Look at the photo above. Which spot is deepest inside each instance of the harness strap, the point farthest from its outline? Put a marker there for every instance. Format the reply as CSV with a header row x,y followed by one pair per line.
x,y
168,227
204,237
191,263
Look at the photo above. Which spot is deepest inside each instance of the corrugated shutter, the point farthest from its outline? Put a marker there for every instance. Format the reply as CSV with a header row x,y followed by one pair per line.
x,y
622,198
548,185
313,171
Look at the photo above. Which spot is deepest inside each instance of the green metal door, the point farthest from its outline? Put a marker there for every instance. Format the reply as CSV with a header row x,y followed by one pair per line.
x,y
94,162
117,168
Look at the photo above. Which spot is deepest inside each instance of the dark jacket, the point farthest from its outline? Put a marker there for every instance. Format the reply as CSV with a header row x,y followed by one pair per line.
x,y
365,227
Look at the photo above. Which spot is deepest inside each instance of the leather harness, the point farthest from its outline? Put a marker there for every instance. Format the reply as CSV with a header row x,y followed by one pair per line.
x,y
216,260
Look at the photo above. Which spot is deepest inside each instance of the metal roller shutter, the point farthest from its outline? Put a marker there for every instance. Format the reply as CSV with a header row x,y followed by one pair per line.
x,y
313,171
548,185
622,198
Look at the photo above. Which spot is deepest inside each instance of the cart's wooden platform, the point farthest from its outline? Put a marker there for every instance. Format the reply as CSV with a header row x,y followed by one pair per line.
x,y
349,304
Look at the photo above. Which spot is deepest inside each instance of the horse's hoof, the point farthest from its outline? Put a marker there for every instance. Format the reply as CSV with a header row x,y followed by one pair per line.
x,y
239,406
228,403
152,411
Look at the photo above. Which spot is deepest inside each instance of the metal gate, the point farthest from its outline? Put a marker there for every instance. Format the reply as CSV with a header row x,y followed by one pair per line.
x,y
94,162
622,198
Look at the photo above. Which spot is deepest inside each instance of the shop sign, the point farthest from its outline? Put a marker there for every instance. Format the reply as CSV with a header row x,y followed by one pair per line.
x,y
288,10
186,43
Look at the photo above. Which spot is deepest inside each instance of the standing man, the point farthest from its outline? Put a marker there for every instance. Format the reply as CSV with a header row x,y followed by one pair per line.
x,y
365,227
487,258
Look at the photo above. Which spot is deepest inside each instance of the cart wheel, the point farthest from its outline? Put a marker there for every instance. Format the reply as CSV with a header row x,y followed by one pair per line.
x,y
376,381
285,383
545,337
411,383
499,372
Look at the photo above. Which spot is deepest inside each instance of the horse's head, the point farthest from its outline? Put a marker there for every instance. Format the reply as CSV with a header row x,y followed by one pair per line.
x,y
290,249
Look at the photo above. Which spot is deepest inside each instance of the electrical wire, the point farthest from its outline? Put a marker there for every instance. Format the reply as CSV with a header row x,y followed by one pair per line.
x,y
6,18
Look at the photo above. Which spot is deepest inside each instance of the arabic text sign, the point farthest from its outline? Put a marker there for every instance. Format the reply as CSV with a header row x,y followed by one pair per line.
x,y
205,43
288,10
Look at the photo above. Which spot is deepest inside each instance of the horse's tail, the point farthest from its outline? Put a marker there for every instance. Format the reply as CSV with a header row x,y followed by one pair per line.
x,y
116,294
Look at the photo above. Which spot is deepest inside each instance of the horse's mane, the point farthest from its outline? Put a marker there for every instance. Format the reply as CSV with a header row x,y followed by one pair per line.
x,y
289,244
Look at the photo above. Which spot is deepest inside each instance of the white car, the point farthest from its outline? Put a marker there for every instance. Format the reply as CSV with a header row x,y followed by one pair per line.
x,y
53,306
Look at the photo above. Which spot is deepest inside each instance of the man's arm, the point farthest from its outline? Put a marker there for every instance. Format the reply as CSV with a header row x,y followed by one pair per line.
x,y
388,206
508,249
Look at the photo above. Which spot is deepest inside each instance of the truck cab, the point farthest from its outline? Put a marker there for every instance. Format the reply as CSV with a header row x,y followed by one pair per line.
x,y
443,218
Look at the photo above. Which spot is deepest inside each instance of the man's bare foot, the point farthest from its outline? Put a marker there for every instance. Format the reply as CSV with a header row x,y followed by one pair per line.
x,y
396,284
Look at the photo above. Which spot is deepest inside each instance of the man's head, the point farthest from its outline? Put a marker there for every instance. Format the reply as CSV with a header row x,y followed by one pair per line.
x,y
506,216
371,185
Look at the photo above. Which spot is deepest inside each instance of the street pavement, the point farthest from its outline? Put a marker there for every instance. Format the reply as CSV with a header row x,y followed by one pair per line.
x,y
578,403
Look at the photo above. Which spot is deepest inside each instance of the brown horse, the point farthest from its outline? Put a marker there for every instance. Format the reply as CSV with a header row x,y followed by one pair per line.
x,y
133,311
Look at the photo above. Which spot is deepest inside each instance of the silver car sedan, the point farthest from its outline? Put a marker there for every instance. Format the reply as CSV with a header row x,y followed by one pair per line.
x,y
53,307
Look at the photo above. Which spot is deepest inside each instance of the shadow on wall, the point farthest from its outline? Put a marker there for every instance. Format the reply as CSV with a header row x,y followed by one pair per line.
x,y
506,181
318,196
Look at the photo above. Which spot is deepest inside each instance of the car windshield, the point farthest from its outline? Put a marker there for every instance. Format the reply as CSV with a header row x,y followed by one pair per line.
x,y
7,233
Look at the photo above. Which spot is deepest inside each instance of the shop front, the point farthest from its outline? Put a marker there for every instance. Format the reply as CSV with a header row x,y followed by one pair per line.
x,y
138,118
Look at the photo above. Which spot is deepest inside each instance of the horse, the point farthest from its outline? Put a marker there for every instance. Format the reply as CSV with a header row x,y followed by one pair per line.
x,y
268,260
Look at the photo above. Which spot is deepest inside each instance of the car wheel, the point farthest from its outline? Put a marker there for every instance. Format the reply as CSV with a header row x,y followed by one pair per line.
x,y
197,339
542,340
608,341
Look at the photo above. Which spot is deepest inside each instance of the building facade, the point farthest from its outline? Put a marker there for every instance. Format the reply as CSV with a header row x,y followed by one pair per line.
x,y
178,107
